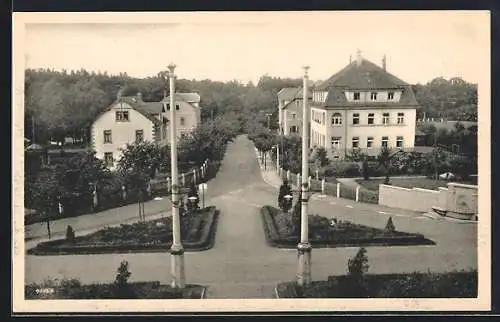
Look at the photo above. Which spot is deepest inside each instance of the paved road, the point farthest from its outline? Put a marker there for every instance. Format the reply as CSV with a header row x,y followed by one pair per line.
x,y
241,265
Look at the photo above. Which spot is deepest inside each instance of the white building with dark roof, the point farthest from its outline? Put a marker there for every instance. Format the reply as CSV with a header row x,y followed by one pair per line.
x,y
129,119
363,107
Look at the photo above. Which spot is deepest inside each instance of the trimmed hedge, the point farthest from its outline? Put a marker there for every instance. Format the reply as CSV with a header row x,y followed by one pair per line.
x,y
72,289
347,236
206,233
456,284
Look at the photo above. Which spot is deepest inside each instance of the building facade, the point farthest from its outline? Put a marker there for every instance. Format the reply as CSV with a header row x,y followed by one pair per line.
x,y
364,108
129,119
290,107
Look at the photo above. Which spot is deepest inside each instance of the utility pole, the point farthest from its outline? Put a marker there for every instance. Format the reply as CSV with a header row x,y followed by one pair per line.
x,y
177,250
304,247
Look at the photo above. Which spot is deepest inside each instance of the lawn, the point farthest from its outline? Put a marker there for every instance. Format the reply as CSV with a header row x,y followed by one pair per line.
x,y
424,183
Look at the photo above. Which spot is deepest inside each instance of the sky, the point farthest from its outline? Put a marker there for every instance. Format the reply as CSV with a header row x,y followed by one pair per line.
x,y
243,46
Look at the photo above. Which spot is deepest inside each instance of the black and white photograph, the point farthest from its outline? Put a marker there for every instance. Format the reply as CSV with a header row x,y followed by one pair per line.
x,y
251,161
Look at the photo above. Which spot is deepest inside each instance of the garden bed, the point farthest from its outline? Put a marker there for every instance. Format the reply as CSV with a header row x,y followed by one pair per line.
x,y
197,233
322,235
72,289
409,183
458,284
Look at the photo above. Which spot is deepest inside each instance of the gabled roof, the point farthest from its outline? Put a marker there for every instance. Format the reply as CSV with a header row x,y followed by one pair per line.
x,y
186,97
138,105
366,75
291,93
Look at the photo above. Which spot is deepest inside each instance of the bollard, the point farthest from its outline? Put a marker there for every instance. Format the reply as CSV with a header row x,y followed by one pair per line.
x,y
298,180
183,178
357,193
323,186
288,175
338,189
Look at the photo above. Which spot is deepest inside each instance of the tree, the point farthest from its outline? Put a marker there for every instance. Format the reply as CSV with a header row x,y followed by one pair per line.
x,y
365,169
384,159
193,192
137,166
284,203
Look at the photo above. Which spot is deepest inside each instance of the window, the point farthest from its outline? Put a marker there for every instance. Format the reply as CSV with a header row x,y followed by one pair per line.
x,y
390,96
385,141
355,118
335,142
139,135
357,95
108,159
168,107
373,96
107,136
183,134
355,142
337,119
401,118
399,141
371,118
294,115
369,142
182,121
293,129
122,116
385,118
177,107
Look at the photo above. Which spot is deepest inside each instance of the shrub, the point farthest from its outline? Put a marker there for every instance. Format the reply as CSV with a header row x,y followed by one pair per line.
x,y
342,169
368,196
365,170
389,226
70,235
358,265
122,288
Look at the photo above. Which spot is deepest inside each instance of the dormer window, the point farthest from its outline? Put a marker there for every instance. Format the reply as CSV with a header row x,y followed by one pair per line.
x,y
373,96
357,96
390,96
121,116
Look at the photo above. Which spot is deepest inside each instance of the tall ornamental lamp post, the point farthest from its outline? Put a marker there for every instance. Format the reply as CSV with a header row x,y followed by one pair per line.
x,y
177,250
304,247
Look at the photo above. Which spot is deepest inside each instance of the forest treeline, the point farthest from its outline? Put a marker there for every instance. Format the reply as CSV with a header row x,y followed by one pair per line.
x,y
64,104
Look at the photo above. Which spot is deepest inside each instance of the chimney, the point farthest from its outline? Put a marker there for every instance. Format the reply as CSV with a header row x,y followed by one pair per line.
x,y
358,58
384,59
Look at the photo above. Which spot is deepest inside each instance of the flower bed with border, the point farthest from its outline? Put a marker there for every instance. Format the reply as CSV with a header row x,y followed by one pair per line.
x,y
348,235
457,284
199,235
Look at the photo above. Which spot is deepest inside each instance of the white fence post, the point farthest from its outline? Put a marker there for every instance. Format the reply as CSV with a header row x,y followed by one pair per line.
x,y
323,186
183,178
317,174
357,193
168,184
298,180
287,174
194,176
309,182
338,189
